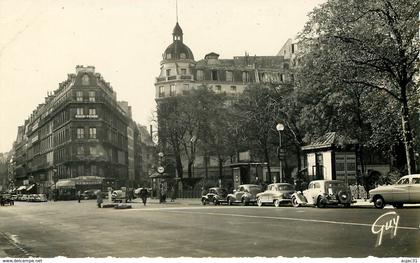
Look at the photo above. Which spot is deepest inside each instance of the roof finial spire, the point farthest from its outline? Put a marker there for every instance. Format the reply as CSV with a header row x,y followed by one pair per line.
x,y
176,3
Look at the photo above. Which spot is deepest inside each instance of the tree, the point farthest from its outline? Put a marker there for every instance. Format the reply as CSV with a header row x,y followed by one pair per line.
x,y
369,45
257,112
171,130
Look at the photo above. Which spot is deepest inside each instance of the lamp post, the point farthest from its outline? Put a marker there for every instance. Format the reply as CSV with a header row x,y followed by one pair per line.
x,y
280,128
193,140
55,179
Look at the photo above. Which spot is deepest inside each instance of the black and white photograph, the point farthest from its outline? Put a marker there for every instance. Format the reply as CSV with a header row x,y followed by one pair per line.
x,y
209,131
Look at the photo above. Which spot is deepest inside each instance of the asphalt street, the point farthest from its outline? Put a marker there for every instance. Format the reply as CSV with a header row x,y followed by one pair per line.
x,y
188,229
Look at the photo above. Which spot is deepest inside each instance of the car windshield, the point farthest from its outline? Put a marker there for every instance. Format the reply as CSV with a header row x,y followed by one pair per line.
x,y
221,191
286,187
334,186
254,188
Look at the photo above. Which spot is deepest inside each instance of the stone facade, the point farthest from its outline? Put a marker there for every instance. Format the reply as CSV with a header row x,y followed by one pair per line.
x,y
81,130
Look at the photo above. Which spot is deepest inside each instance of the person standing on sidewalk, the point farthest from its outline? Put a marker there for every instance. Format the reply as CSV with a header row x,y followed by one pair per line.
x,y
79,196
143,195
99,199
173,193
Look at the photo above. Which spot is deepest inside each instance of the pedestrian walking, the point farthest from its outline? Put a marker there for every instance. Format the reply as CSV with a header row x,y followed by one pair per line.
x,y
79,196
143,195
164,193
173,193
99,199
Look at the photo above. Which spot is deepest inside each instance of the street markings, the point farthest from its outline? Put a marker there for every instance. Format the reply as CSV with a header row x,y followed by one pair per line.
x,y
277,218
13,240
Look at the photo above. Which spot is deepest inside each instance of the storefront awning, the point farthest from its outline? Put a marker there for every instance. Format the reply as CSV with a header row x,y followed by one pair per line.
x,y
20,188
64,184
30,187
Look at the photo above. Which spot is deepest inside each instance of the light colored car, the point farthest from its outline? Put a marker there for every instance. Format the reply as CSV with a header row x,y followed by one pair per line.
x,y
324,192
40,198
24,198
276,194
406,190
118,196
245,194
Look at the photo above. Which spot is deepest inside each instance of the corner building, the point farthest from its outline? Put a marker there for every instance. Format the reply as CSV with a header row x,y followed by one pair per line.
x,y
81,130
180,73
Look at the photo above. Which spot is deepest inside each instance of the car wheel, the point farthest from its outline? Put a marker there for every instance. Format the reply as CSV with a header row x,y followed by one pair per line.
x,y
259,202
277,203
215,202
379,202
398,205
295,202
204,201
229,201
244,202
320,203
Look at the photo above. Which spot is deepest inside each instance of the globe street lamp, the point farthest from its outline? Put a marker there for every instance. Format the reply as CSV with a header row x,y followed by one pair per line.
x,y
280,128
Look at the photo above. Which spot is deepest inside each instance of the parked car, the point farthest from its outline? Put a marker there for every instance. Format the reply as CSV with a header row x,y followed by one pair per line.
x,y
31,197
6,198
118,196
406,190
24,198
245,194
276,194
90,194
324,192
216,195
40,198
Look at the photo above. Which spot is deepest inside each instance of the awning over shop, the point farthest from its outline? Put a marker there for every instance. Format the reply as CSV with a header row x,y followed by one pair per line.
x,y
20,188
30,187
88,180
158,175
64,184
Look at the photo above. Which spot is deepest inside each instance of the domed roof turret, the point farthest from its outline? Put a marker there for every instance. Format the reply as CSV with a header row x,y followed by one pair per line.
x,y
177,50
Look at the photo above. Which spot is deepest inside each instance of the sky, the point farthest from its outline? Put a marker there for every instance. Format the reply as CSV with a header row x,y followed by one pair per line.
x,y
43,41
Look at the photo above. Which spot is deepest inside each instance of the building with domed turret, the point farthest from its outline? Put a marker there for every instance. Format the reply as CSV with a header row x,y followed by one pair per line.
x,y
180,73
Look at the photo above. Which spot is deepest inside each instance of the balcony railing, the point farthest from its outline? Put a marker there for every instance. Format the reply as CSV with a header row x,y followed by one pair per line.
x,y
171,78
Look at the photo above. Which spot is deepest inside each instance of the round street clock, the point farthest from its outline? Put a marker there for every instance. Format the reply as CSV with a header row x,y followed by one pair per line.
x,y
160,169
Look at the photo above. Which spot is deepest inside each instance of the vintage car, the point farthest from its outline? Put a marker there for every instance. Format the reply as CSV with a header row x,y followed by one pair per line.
x,y
276,194
245,194
406,190
6,198
119,196
90,194
216,195
323,192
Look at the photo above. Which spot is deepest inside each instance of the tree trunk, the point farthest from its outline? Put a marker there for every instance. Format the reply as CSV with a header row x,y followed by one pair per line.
x,y
267,160
408,137
220,169
190,169
179,167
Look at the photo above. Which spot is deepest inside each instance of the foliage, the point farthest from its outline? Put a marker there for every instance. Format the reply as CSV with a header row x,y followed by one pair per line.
x,y
353,50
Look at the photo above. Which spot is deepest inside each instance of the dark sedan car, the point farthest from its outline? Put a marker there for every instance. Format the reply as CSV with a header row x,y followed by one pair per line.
x,y
90,194
216,195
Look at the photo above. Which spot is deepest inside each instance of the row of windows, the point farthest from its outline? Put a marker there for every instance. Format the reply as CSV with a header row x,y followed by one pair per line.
x,y
81,111
80,133
232,76
169,72
185,91
91,96
61,136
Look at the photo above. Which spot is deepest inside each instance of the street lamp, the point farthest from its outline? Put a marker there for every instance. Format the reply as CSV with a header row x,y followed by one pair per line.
x,y
280,128
193,140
